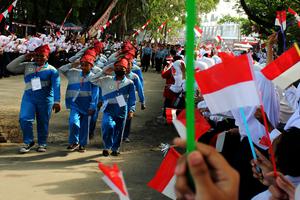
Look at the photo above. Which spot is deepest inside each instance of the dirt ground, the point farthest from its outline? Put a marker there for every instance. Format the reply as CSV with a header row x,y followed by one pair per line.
x,y
60,175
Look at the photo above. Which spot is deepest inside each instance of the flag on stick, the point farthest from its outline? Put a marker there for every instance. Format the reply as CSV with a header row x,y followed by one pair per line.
x,y
165,178
285,69
113,177
281,19
201,125
230,82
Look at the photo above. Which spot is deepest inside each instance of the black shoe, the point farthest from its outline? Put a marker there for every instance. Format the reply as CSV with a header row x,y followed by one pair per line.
x,y
115,153
26,148
81,149
73,147
105,153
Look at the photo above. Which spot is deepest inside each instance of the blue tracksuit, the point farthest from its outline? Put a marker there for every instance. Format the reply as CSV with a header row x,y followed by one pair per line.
x,y
114,115
81,96
140,90
137,70
36,103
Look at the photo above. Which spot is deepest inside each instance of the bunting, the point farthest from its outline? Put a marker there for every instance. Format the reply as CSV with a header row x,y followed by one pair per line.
x,y
102,28
161,26
9,9
141,29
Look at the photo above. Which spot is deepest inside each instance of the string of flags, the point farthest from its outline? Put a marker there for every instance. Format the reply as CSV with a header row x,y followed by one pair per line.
x,y
162,26
295,15
141,29
9,9
108,23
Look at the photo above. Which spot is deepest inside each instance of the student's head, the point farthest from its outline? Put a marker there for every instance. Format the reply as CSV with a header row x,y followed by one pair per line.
x,y
87,60
120,67
287,150
41,55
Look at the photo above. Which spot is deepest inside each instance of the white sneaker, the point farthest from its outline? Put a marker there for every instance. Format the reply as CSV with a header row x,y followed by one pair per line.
x,y
26,148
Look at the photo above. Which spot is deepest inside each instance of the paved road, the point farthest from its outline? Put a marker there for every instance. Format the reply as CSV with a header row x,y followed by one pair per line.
x,y
60,175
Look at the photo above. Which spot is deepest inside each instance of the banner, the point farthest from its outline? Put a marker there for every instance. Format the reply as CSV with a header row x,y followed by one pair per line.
x,y
102,20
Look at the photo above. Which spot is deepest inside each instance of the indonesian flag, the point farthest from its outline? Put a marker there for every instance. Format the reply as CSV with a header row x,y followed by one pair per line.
x,y
219,39
285,69
161,26
198,31
296,16
113,177
228,85
201,125
225,56
164,179
281,19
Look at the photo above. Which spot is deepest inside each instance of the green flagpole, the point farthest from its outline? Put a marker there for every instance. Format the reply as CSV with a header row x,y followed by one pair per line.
x,y
190,102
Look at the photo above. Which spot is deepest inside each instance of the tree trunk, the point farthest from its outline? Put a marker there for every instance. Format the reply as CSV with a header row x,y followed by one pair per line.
x,y
124,21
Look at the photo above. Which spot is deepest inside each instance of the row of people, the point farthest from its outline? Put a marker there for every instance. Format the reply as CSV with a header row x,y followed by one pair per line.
x,y
90,83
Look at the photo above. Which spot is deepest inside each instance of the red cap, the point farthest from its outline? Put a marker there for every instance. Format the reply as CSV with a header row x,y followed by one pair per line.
x,y
122,62
98,46
44,50
91,52
89,56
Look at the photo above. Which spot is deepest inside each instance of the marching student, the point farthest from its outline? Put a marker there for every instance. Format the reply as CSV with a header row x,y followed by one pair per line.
x,y
81,97
118,95
41,95
140,90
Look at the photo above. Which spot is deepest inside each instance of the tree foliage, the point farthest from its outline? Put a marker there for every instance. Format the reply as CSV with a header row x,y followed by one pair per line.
x,y
263,13
134,13
245,24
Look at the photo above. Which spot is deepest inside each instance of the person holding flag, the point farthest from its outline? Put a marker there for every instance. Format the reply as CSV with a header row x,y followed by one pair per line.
x,y
41,95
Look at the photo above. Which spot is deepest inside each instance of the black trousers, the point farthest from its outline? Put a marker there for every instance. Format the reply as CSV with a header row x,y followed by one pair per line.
x,y
158,64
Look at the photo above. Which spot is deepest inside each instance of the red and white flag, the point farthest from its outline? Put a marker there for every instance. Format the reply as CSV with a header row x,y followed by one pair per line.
x,y
228,85
165,178
219,39
141,29
113,177
169,30
225,56
198,31
285,69
281,19
161,26
296,15
201,125
8,10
